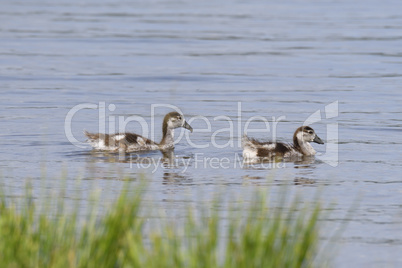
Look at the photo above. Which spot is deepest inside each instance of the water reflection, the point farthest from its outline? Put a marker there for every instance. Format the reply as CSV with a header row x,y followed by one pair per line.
x,y
278,162
305,171
143,159
263,163
248,177
305,160
304,181
174,167
175,178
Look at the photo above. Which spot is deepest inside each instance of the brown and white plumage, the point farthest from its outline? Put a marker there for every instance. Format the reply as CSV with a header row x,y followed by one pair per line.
x,y
302,137
131,142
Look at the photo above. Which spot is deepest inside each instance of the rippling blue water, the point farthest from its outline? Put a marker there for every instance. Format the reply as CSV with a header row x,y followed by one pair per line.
x,y
286,59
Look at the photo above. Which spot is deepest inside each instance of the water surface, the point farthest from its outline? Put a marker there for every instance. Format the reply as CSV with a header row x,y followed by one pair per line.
x,y
286,60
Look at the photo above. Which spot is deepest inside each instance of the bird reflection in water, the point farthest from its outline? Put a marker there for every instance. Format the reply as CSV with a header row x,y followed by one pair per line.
x,y
174,167
305,166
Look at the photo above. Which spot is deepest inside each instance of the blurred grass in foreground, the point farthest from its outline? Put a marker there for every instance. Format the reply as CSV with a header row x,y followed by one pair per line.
x,y
260,236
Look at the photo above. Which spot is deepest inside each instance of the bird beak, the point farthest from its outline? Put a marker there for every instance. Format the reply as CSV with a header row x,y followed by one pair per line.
x,y
318,140
187,126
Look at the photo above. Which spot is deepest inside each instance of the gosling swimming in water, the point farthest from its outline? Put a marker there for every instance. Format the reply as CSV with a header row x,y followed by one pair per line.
x,y
301,146
131,142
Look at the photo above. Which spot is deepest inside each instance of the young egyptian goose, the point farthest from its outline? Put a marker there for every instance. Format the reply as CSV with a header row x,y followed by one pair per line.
x,y
301,145
131,142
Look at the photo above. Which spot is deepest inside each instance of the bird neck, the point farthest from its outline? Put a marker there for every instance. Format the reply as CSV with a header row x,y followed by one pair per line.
x,y
168,134
302,146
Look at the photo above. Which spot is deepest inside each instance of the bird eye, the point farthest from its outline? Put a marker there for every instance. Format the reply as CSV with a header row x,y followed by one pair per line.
x,y
179,117
310,132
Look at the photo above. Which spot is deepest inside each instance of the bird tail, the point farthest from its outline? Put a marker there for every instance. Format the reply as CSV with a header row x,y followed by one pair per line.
x,y
90,136
245,141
